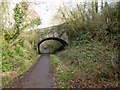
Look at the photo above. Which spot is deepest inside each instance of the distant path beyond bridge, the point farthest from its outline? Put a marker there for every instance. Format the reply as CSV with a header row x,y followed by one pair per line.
x,y
38,76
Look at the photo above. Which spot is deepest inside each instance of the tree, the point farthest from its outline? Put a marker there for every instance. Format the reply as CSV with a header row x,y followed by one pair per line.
x,y
18,17
20,13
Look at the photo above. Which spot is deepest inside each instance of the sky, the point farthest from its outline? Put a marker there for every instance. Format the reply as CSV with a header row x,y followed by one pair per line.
x,y
47,8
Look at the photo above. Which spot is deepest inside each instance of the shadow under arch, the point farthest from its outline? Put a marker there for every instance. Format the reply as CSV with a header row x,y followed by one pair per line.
x,y
64,43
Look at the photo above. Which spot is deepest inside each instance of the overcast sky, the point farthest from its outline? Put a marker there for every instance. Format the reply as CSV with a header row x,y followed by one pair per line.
x,y
47,8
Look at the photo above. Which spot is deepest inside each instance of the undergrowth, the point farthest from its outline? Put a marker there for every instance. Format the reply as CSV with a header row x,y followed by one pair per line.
x,y
16,59
18,46
93,51
61,73
89,64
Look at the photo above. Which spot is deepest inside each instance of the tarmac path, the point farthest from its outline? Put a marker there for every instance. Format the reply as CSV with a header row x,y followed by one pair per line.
x,y
38,76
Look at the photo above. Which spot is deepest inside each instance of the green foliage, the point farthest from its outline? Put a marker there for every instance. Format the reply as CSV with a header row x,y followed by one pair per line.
x,y
18,53
53,61
50,46
36,22
16,58
102,25
18,17
92,61
94,45
19,14
61,72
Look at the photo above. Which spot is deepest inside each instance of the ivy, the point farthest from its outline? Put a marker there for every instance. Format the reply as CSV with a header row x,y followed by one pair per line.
x,y
19,14
18,17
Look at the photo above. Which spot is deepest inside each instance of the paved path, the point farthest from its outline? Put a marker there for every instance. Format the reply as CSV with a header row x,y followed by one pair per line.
x,y
38,76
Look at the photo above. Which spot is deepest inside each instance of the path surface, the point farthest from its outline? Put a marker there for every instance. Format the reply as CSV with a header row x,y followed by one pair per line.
x,y
38,76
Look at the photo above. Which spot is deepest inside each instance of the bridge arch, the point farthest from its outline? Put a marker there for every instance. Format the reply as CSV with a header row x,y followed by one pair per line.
x,y
63,42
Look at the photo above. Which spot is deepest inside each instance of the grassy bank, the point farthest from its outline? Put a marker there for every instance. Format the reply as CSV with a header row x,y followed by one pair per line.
x,y
92,58
89,65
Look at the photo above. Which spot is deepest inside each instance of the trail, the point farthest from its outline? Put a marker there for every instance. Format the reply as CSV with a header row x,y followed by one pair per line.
x,y
38,76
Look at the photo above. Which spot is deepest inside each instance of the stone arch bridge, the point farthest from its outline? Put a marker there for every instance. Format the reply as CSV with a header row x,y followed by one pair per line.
x,y
57,33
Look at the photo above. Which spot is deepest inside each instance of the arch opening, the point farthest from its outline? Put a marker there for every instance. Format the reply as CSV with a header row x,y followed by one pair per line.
x,y
61,44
